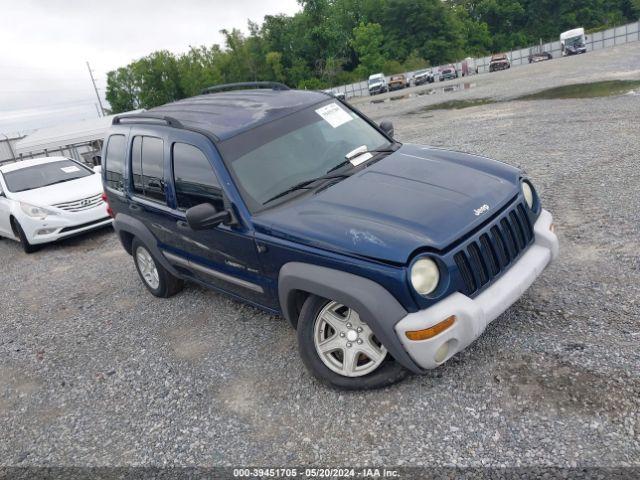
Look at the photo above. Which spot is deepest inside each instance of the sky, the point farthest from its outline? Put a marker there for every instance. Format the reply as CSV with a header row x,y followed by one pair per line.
x,y
44,78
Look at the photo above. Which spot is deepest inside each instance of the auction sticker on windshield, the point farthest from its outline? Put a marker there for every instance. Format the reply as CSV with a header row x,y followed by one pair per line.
x,y
70,169
334,115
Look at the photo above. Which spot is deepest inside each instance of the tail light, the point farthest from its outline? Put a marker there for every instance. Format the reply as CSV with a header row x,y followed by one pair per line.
x,y
106,200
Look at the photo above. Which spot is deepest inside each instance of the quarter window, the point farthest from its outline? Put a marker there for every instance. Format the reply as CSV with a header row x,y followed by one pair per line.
x,y
114,162
194,179
147,168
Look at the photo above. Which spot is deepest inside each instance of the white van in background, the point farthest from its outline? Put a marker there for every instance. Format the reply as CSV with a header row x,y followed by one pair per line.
x,y
573,42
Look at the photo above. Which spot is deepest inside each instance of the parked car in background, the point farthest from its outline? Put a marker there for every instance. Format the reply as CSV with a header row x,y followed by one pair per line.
x,y
539,57
448,73
423,76
398,82
386,258
573,42
339,95
498,62
377,84
46,199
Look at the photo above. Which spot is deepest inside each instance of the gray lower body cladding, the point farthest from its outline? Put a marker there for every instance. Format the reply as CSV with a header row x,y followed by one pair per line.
x,y
375,305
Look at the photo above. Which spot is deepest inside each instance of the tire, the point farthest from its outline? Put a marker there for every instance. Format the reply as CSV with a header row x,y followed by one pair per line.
x,y
24,242
378,373
161,283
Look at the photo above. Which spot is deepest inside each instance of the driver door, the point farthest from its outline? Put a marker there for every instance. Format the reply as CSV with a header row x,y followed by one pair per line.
x,y
224,257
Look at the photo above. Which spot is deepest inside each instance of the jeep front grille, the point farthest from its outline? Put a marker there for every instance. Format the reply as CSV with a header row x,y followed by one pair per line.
x,y
492,252
82,204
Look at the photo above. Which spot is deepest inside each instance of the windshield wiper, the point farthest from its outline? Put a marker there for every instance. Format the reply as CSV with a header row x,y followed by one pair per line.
x,y
60,181
358,152
304,184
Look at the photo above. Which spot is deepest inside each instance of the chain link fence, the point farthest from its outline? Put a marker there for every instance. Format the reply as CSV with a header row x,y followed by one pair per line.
x,y
594,41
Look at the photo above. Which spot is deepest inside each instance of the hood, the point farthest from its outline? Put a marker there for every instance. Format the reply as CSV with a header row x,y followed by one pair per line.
x,y
61,192
416,198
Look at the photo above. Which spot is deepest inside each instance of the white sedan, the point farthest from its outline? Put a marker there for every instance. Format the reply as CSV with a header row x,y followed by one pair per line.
x,y
46,199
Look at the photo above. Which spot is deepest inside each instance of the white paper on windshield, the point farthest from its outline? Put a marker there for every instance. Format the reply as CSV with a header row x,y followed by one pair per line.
x,y
334,115
70,169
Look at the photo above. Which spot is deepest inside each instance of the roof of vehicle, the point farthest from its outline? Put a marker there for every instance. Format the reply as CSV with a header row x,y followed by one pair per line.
x,y
376,75
226,114
572,33
499,56
398,77
10,167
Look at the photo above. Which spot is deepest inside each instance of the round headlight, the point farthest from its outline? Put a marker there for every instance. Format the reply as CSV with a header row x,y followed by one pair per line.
x,y
425,276
527,191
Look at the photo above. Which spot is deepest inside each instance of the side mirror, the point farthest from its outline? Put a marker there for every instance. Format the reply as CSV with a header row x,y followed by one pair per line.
x,y
387,127
205,215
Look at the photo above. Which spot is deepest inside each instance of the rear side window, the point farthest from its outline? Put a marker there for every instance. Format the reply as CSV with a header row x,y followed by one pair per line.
x,y
194,179
114,162
147,168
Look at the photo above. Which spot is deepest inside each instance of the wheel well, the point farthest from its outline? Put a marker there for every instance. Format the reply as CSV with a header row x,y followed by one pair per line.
x,y
14,228
295,302
126,239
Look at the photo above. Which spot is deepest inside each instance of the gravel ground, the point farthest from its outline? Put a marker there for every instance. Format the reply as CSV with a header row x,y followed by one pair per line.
x,y
95,371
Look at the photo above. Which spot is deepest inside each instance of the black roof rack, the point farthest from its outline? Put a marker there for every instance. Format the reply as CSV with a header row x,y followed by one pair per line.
x,y
146,118
245,86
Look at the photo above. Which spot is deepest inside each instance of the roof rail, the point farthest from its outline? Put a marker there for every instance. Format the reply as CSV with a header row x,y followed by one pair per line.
x,y
146,118
245,86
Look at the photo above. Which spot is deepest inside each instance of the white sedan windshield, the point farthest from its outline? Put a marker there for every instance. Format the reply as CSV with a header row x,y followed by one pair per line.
x,y
38,176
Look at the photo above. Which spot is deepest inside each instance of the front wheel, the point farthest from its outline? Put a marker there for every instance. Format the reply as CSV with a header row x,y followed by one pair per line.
x,y
24,241
340,349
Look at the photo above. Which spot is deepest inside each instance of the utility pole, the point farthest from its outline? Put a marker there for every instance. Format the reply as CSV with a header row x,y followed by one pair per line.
x,y
95,88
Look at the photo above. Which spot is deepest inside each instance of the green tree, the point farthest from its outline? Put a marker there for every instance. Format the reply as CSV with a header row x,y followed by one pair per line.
x,y
367,42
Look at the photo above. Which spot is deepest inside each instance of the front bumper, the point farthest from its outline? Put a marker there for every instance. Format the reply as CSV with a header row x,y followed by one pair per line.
x,y
56,227
473,315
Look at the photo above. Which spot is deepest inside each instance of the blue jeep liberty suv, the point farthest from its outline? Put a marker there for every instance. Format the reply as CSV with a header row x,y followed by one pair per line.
x,y
386,257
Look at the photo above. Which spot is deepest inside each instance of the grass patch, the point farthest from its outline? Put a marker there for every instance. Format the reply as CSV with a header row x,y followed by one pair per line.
x,y
457,104
585,90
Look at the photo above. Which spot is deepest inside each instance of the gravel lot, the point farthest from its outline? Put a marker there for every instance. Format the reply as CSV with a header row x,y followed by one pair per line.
x,y
95,371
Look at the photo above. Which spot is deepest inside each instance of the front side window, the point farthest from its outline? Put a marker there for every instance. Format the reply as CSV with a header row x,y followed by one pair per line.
x,y
44,175
194,179
270,159
114,162
147,168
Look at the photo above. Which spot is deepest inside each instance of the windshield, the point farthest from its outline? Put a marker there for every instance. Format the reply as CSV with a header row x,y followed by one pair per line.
x,y
270,159
574,41
375,81
38,176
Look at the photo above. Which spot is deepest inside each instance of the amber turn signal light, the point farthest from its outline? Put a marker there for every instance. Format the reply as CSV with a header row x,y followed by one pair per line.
x,y
427,333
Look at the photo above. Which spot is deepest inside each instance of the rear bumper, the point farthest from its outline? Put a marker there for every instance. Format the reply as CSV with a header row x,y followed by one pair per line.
x,y
473,315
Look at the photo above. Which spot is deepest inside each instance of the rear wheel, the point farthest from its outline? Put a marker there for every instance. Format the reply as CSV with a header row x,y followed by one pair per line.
x,y
341,350
24,242
158,280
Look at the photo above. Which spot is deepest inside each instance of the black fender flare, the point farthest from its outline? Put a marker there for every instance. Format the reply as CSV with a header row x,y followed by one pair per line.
x,y
375,305
127,224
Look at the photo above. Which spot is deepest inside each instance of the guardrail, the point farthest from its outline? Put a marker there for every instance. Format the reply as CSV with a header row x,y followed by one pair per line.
x,y
595,41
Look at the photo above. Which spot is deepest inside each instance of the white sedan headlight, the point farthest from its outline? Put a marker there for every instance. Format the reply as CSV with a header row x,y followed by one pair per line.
x,y
36,212
527,191
425,276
